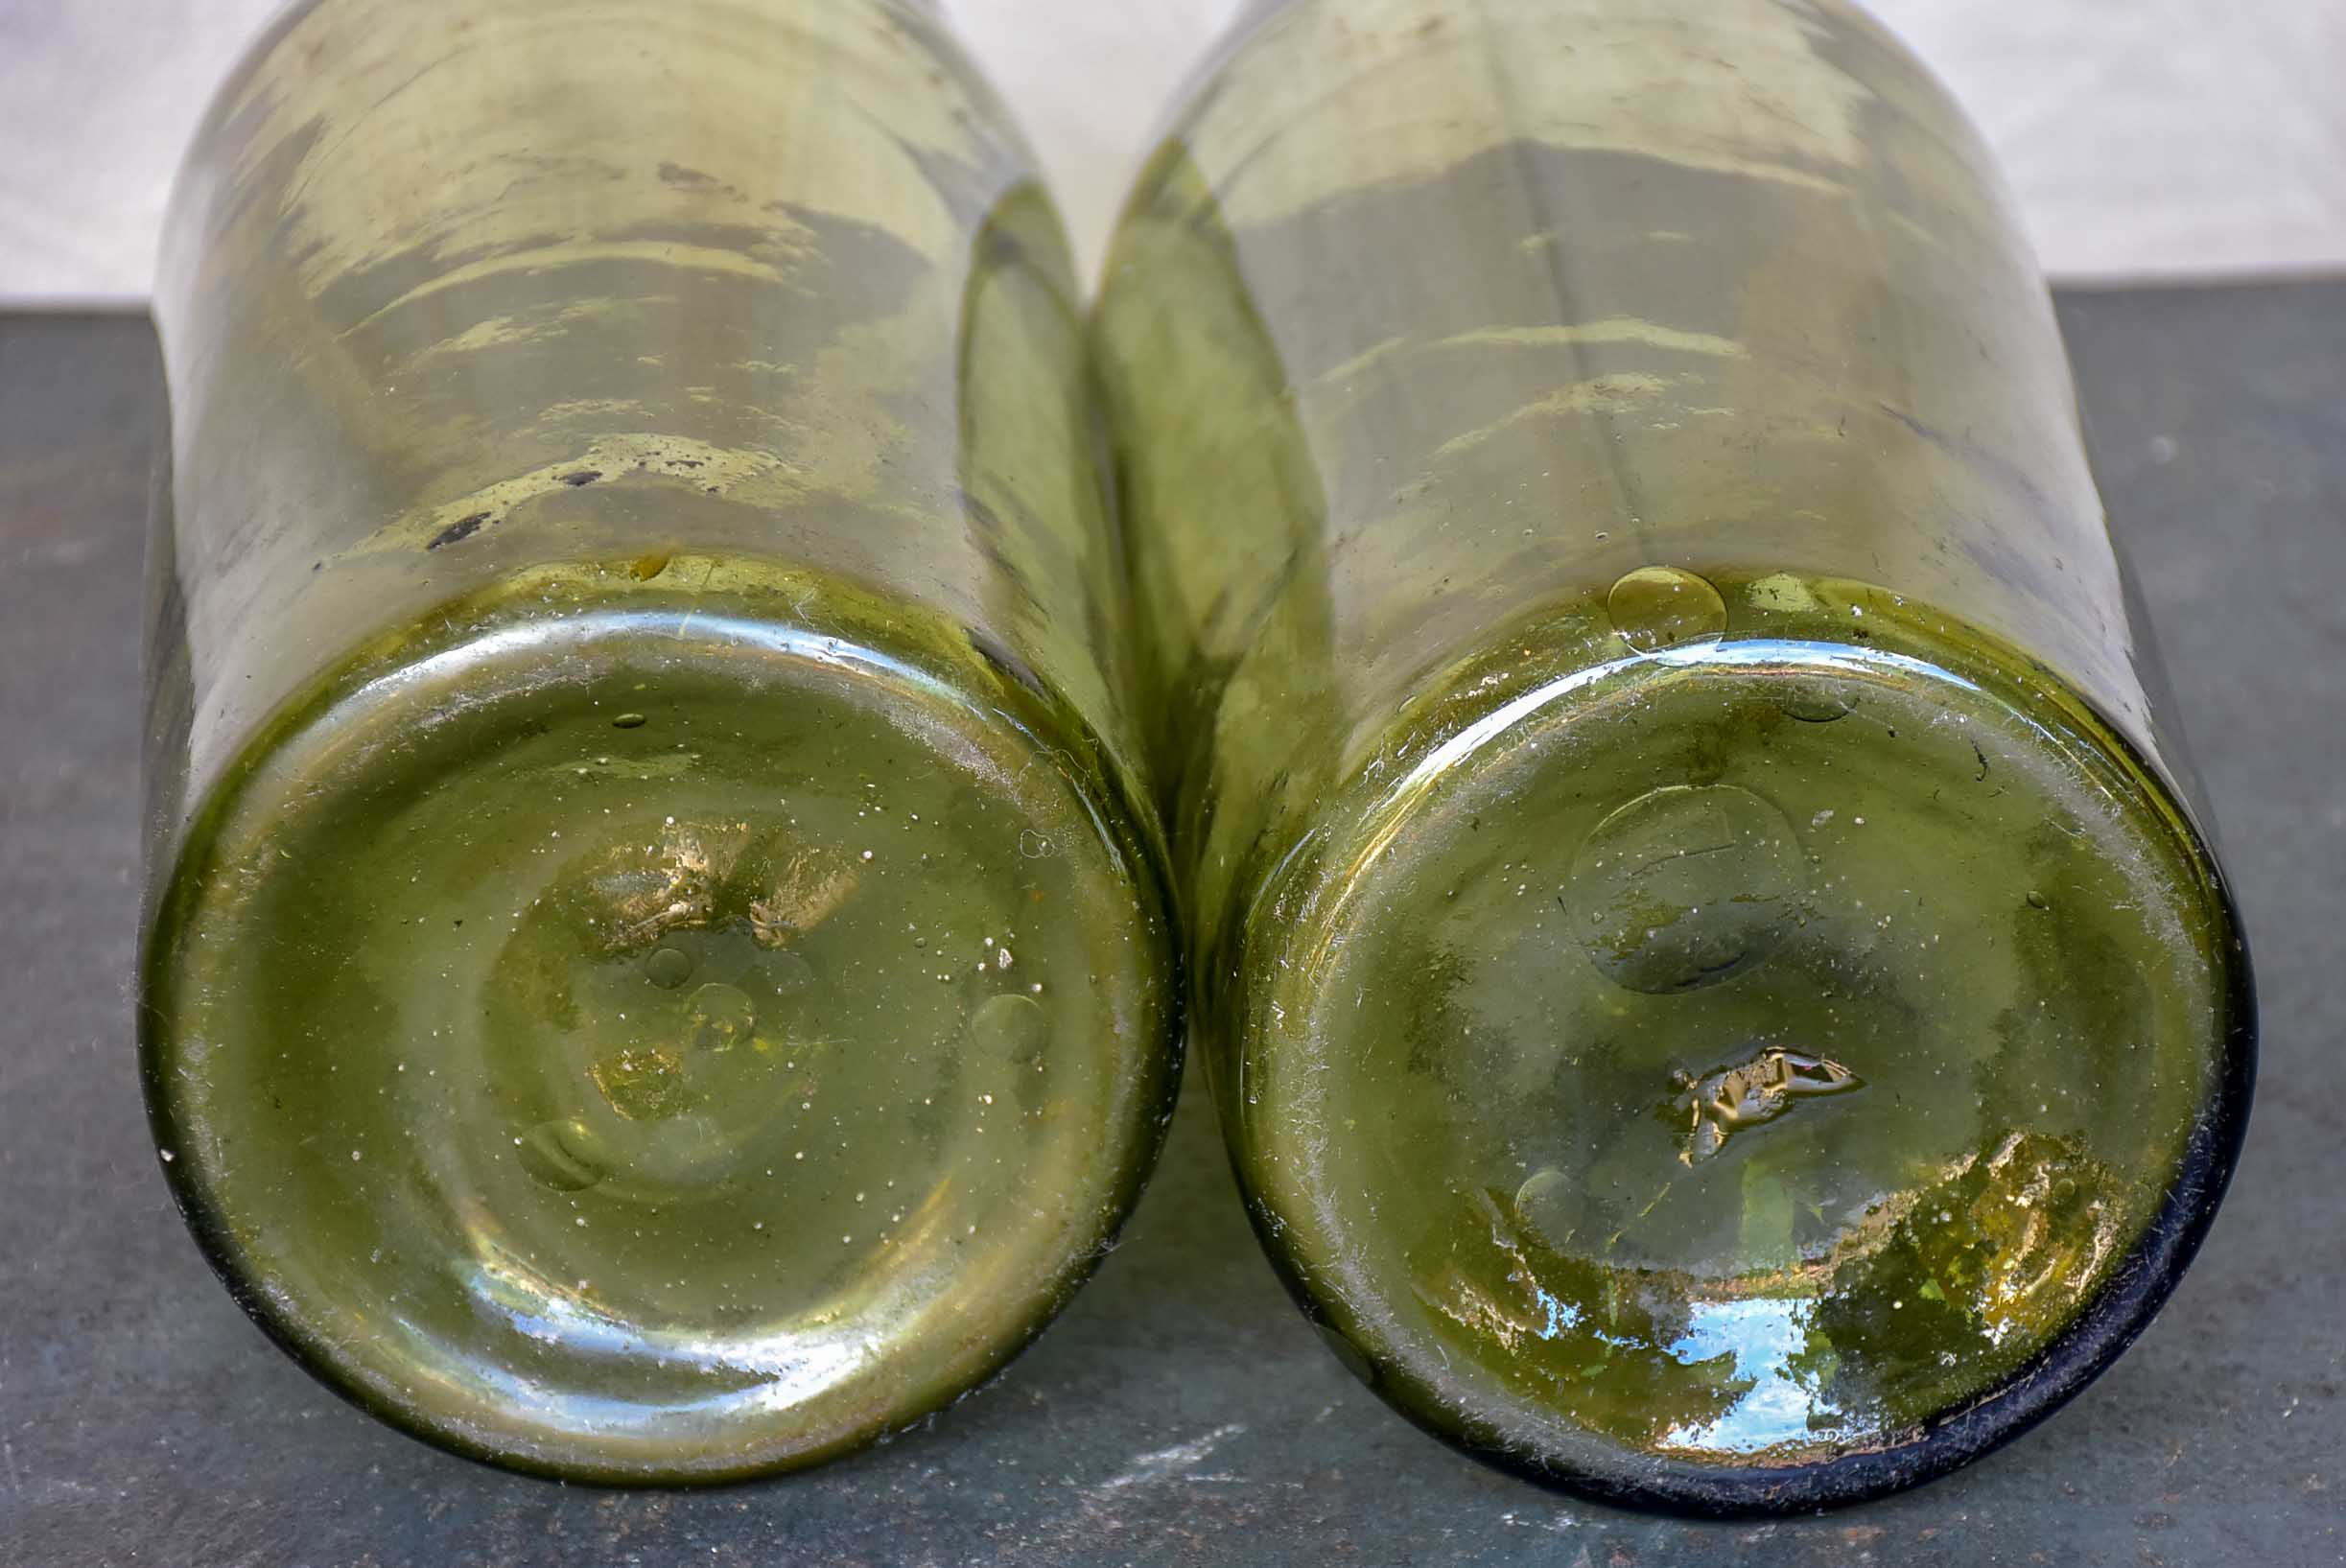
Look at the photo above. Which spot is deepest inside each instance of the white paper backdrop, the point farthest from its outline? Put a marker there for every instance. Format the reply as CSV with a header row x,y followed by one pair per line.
x,y
2147,138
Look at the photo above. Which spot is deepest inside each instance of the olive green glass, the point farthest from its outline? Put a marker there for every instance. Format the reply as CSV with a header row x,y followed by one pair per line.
x,y
656,962
1714,990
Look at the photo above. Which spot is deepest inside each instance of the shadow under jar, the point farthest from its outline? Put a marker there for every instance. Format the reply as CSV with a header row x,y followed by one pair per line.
x,y
656,962
1715,992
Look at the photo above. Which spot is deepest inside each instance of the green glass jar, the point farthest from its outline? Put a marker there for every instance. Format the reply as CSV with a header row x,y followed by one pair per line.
x,y
656,964
1715,991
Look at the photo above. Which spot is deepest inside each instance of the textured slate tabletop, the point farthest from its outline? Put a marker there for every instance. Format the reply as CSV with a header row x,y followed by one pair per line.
x,y
1179,1412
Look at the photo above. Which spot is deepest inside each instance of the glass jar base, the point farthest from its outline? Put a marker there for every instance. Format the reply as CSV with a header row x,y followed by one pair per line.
x,y
1733,1062
658,1040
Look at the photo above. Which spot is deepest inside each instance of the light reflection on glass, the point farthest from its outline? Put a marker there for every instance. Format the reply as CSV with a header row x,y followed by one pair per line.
x,y
1763,1336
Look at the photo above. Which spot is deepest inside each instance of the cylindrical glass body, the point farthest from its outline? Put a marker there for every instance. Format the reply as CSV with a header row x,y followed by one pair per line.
x,y
1714,990
656,964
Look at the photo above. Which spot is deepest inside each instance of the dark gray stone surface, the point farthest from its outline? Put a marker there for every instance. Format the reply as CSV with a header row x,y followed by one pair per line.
x,y
1180,1413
